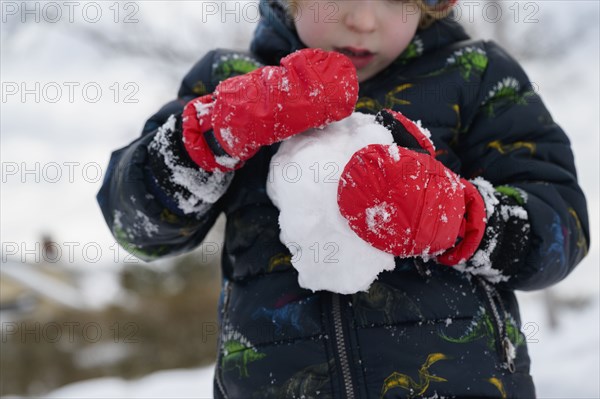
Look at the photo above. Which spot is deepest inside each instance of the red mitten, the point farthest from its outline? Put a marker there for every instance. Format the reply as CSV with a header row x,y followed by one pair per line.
x,y
401,200
311,88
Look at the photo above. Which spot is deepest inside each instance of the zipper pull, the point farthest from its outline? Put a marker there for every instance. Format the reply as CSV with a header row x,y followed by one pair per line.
x,y
508,349
509,354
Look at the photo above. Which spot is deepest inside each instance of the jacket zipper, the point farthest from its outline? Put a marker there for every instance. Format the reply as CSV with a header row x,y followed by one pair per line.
x,y
227,289
340,343
226,294
507,348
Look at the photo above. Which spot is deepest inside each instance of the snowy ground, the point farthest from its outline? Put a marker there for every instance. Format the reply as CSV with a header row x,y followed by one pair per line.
x,y
39,135
565,365
192,383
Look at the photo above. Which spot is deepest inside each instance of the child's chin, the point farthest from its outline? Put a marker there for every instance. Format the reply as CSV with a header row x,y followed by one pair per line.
x,y
365,74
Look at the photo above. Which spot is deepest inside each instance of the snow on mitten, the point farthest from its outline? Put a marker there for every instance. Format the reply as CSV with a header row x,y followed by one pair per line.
x,y
311,88
506,242
403,201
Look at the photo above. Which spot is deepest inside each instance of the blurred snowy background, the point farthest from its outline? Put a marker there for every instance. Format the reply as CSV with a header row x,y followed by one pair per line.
x,y
78,81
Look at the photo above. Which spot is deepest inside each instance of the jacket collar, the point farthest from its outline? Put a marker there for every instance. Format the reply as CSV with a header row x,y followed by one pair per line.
x,y
275,36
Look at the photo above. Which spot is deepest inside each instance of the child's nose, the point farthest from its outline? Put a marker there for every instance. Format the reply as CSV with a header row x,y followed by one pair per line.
x,y
361,15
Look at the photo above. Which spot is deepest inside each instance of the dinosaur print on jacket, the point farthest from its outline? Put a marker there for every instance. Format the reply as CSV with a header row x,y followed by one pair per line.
x,y
483,327
289,314
384,300
414,388
237,352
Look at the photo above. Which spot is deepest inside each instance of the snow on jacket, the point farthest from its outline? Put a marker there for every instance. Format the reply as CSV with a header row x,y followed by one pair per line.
x,y
422,329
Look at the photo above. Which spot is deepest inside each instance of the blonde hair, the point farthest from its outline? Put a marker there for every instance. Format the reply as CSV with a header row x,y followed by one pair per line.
x,y
428,16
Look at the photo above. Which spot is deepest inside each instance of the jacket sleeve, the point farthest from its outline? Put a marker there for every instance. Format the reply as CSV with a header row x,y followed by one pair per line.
x,y
538,225
155,200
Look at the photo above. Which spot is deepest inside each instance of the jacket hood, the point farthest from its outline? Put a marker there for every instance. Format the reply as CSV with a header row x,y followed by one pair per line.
x,y
275,36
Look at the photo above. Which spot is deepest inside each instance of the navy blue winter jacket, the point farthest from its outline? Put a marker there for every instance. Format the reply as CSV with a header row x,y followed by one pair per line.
x,y
422,329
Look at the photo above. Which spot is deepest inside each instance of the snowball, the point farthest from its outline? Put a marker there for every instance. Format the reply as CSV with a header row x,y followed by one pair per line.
x,y
302,183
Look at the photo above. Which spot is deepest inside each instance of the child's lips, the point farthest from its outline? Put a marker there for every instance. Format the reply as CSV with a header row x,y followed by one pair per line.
x,y
360,57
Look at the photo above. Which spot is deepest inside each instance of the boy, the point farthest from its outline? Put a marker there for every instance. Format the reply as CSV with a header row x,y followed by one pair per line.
x,y
423,329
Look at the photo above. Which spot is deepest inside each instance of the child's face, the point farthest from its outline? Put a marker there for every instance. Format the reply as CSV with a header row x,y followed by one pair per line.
x,y
372,33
